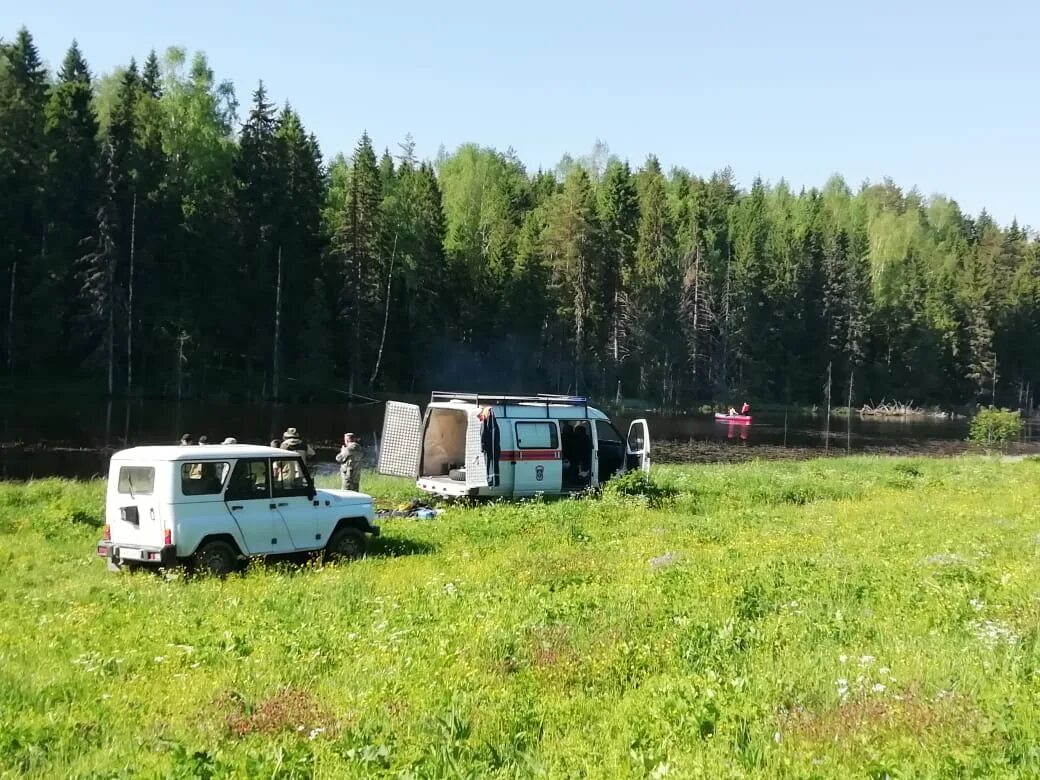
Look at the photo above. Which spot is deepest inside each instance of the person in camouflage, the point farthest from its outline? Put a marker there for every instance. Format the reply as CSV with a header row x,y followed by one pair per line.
x,y
349,458
292,441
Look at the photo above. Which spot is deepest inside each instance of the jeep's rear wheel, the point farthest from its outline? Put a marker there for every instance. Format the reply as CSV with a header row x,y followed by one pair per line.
x,y
346,544
217,558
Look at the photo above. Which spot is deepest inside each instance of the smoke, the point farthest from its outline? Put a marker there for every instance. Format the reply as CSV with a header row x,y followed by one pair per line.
x,y
510,365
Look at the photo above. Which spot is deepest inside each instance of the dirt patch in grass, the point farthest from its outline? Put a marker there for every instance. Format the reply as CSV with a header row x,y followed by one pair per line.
x,y
288,710
856,718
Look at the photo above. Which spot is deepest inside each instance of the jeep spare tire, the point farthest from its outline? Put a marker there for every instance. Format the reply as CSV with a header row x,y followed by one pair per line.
x,y
346,544
217,558
459,475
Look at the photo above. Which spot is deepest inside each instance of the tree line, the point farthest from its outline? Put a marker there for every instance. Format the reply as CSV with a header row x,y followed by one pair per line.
x,y
154,243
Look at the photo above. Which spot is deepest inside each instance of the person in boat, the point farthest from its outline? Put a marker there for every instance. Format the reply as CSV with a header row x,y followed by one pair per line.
x,y
745,409
732,412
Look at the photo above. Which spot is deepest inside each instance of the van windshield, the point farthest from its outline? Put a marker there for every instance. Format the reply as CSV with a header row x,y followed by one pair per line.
x,y
136,480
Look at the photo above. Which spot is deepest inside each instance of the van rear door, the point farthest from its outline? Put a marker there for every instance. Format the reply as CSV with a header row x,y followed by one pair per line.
x,y
476,457
132,512
401,445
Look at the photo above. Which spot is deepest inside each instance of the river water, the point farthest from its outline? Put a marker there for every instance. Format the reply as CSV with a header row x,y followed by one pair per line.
x,y
72,436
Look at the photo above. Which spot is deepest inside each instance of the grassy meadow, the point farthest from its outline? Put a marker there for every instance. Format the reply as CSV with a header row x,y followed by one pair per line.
x,y
860,617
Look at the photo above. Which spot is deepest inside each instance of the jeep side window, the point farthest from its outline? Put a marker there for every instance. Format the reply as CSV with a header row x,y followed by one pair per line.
x,y
290,478
248,480
205,478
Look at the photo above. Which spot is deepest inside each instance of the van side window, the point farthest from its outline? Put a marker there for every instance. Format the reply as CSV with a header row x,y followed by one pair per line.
x,y
290,478
605,432
248,480
136,480
537,436
205,478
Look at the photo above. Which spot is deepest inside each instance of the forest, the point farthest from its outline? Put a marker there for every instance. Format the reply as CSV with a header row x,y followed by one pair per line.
x,y
160,239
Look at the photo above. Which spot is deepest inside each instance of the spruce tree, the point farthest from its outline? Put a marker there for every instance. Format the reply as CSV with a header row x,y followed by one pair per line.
x,y
357,247
653,301
619,217
97,276
299,230
72,182
573,246
23,156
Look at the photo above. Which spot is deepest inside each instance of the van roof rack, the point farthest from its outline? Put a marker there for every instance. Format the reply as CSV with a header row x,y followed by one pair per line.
x,y
492,399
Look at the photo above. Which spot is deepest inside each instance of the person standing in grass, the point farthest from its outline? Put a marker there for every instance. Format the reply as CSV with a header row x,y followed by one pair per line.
x,y
349,460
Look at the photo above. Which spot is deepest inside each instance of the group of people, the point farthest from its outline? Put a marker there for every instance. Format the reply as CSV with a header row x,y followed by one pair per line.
x,y
349,456
187,440
744,410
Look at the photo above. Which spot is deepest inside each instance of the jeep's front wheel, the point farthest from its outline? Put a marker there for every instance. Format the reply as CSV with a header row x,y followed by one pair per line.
x,y
346,544
217,558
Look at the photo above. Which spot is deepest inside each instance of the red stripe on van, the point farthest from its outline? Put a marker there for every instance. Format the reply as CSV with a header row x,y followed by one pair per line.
x,y
515,455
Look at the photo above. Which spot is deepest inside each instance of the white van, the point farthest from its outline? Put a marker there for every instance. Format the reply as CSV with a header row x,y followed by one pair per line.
x,y
213,506
507,445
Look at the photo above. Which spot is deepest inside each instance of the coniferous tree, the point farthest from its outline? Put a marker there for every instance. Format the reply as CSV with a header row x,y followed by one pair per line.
x,y
573,247
97,274
299,229
357,246
23,96
653,300
619,218
72,185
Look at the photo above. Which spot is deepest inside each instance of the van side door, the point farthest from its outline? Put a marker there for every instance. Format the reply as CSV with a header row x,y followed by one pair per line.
x,y
248,499
610,450
292,491
639,446
539,462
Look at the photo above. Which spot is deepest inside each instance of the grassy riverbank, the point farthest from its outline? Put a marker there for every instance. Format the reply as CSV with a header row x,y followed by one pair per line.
x,y
829,618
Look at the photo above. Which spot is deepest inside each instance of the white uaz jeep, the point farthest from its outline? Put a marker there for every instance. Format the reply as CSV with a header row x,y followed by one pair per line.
x,y
216,505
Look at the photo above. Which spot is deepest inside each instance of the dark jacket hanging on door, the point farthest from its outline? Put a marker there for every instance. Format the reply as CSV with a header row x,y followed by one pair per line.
x,y
490,443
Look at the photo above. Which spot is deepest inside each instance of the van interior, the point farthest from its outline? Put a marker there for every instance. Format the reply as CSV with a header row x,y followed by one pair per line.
x,y
444,445
576,448
444,449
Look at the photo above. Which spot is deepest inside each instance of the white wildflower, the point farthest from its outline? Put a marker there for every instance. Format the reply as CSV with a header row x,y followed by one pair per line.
x,y
993,633
977,605
878,688
843,687
776,737
315,732
866,659
660,770
842,658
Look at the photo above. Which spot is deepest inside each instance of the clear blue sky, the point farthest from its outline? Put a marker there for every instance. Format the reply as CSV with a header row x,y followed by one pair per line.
x,y
938,95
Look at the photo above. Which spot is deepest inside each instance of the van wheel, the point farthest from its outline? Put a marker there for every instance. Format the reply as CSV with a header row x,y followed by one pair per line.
x,y
217,558
346,544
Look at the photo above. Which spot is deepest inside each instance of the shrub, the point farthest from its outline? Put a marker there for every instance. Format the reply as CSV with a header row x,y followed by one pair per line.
x,y
637,484
995,427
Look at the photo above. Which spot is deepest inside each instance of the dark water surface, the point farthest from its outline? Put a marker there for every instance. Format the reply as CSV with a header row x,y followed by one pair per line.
x,y
73,436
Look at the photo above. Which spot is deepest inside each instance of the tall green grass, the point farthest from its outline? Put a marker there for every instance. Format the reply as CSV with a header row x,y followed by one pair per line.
x,y
832,618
